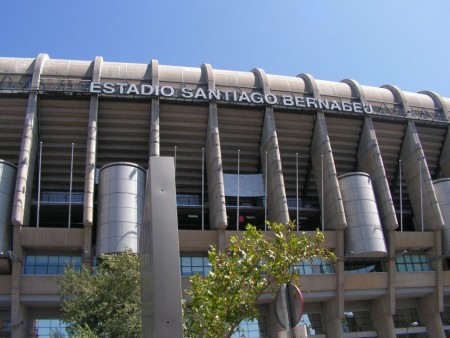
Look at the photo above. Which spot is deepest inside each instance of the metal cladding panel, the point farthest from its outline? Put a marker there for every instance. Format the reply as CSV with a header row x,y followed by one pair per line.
x,y
249,185
286,85
363,235
120,207
174,74
7,184
66,69
335,90
442,189
118,71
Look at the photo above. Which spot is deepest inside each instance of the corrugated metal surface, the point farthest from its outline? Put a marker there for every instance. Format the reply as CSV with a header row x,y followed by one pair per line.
x,y
123,132
63,122
184,127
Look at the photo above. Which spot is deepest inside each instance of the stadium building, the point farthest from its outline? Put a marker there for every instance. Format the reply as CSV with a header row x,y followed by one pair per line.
x,y
369,166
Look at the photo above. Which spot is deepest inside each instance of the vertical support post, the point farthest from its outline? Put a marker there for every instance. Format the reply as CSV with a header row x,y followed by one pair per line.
x,y
39,185
160,278
175,160
323,201
401,194
421,195
203,188
265,195
70,188
237,204
296,188
284,301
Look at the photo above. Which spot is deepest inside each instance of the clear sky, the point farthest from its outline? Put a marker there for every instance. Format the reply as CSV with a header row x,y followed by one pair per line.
x,y
401,42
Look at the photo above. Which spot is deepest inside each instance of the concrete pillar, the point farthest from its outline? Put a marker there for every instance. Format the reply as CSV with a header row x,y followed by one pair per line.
x,y
382,318
332,203
91,163
421,192
277,208
22,197
154,122
160,253
430,316
332,318
28,150
216,188
371,162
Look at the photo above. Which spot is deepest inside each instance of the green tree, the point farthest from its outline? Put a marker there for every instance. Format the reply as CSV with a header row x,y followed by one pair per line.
x,y
256,263
104,301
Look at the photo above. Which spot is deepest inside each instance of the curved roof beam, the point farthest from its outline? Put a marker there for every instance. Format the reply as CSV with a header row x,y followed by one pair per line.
x,y
208,73
400,97
155,72
438,101
261,76
357,90
311,83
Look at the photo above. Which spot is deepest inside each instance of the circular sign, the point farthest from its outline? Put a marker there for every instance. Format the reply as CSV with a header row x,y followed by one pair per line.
x,y
294,302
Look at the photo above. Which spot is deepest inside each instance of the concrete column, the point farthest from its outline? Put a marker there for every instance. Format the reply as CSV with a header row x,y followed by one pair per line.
x,y
371,162
277,208
382,318
154,123
436,264
383,308
332,203
411,155
216,188
22,198
91,163
430,316
332,318
28,150
160,253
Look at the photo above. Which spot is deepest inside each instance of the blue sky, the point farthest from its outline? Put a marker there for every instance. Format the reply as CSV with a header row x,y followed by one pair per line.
x,y
401,42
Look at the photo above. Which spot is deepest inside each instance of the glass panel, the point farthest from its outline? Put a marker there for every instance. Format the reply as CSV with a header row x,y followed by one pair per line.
x,y
197,261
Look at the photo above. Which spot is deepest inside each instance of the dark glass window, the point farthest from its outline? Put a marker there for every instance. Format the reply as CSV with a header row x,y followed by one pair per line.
x,y
50,265
415,262
315,267
362,266
356,321
48,328
190,265
313,323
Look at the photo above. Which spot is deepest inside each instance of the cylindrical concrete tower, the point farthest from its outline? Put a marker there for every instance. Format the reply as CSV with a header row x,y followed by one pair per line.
x,y
364,234
120,207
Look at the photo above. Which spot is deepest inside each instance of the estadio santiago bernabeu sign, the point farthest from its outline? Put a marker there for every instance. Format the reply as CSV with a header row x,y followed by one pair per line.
x,y
126,89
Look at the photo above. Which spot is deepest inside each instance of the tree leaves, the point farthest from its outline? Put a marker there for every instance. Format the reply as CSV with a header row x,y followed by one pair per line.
x,y
256,263
104,302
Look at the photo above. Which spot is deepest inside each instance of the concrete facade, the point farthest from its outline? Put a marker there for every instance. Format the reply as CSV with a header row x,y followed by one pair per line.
x,y
299,133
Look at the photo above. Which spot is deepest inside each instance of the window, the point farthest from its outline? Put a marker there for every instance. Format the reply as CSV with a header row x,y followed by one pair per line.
x,y
362,266
188,200
62,197
446,316
416,262
405,317
313,323
356,321
49,265
315,267
190,265
248,329
47,328
5,328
